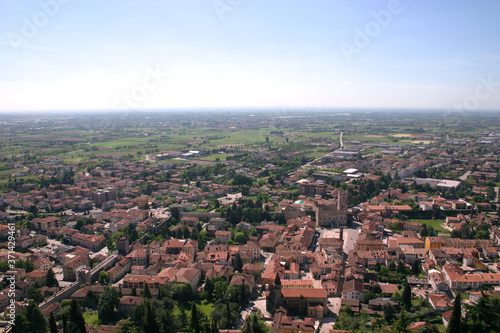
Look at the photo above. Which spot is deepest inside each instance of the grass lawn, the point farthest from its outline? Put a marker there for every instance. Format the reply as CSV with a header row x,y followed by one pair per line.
x,y
207,308
436,224
91,318
222,157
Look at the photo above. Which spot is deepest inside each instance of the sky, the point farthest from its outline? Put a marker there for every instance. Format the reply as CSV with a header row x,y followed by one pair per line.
x,y
61,55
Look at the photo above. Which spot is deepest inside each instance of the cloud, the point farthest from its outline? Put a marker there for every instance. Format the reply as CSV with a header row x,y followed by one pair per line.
x,y
346,83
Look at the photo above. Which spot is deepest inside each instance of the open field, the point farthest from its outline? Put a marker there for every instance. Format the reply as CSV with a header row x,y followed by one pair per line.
x,y
436,224
91,319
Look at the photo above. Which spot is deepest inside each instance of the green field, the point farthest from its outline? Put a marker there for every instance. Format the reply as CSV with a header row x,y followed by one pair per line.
x,y
436,224
221,157
205,307
91,318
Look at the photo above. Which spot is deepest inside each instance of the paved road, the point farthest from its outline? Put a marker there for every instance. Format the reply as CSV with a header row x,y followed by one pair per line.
x,y
465,176
331,317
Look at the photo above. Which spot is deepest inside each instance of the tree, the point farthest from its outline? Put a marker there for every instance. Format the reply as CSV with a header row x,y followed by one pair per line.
x,y
254,324
392,266
52,323
91,300
406,299
150,323
185,232
183,316
65,324
415,268
483,317
107,304
51,279
146,293
389,313
209,288
240,238
103,277
195,323
401,267
76,321
35,294
35,322
402,324
455,325
238,263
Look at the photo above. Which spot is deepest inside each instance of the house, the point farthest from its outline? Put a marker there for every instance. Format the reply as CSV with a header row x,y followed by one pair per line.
x,y
437,281
42,263
188,275
189,221
353,289
269,241
388,289
433,242
252,249
128,303
221,237
139,257
440,302
37,276
138,282
377,304
43,224
252,268
314,300
247,280
120,269
330,245
286,324
446,317
71,267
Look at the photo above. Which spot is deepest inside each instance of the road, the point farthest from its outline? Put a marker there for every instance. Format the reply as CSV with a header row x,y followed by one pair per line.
x,y
465,176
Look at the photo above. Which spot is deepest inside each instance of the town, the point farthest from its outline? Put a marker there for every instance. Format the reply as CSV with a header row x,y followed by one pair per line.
x,y
251,221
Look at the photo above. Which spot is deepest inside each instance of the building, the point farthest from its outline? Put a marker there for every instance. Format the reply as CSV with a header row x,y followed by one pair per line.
x,y
287,324
129,303
221,237
45,223
433,243
331,213
70,268
353,289
312,299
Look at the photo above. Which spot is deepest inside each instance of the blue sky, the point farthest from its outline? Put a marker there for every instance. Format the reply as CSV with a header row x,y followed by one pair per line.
x,y
102,54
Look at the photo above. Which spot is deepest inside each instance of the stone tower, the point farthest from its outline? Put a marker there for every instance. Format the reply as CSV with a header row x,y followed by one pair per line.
x,y
342,201
123,245
275,297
